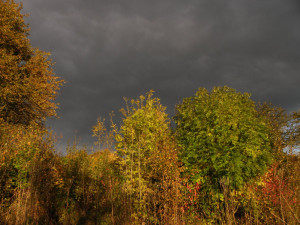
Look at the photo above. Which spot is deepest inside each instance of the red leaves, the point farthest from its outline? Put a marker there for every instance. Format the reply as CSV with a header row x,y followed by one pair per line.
x,y
277,188
192,194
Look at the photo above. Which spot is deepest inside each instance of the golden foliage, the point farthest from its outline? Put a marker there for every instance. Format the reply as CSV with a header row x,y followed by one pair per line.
x,y
28,85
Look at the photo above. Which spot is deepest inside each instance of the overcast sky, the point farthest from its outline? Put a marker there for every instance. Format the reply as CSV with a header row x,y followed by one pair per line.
x,y
108,49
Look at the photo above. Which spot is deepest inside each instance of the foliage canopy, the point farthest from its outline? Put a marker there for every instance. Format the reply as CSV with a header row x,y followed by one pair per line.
x,y
222,136
27,84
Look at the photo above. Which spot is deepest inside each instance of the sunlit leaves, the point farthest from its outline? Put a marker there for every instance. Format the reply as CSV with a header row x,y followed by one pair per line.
x,y
27,84
150,161
221,135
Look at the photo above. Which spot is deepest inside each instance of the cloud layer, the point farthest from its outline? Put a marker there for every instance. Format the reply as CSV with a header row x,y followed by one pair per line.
x,y
109,49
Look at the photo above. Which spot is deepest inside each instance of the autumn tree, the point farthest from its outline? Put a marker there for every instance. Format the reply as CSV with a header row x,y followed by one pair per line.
x,y
27,84
150,164
27,91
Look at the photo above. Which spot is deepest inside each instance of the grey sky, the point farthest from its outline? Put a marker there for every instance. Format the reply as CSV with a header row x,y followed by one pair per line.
x,y
108,49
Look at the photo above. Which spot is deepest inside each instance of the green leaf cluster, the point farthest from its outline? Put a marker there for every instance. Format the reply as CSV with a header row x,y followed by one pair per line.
x,y
221,135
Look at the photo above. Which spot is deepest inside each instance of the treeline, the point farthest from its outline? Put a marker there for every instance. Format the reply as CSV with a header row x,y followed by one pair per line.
x,y
228,160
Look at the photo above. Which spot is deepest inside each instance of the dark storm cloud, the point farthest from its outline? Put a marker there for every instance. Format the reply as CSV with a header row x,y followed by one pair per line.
x,y
106,50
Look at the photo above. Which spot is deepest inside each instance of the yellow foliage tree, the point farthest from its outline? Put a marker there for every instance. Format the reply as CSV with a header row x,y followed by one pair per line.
x,y
150,163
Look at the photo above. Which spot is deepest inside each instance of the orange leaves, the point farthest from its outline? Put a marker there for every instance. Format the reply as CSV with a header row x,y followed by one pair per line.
x,y
28,86
13,30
